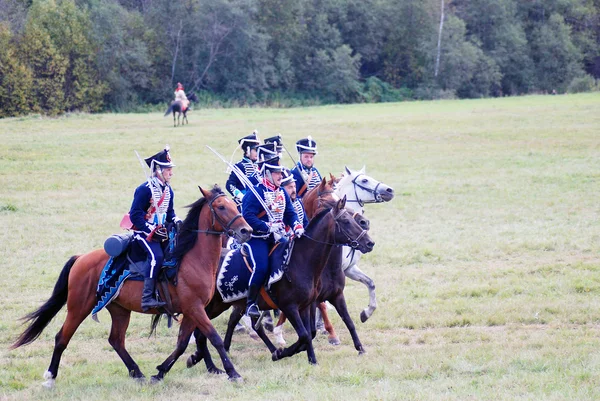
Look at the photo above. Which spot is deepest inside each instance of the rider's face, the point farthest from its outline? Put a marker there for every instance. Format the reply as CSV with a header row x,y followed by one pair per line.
x,y
276,176
307,159
252,156
290,188
167,173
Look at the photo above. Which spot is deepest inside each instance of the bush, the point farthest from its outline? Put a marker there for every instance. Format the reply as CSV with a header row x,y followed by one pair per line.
x,y
375,91
432,92
586,83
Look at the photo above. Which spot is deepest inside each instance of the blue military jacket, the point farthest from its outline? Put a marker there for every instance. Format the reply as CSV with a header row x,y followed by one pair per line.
x,y
145,218
314,179
234,185
278,202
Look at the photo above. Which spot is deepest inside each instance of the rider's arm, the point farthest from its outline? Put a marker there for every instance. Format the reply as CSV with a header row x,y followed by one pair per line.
x,y
139,208
250,209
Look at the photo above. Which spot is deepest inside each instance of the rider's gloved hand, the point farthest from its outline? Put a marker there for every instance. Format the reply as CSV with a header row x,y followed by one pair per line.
x,y
298,231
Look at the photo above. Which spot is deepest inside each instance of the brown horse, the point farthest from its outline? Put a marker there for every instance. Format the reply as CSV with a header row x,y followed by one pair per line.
x,y
199,247
296,293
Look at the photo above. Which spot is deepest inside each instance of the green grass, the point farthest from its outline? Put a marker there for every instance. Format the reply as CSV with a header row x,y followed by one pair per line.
x,y
487,261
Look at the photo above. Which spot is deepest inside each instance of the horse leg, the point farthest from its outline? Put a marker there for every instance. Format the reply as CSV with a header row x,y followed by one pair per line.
x,y
201,320
120,321
339,302
185,331
304,337
333,337
308,316
202,352
185,120
174,121
75,316
263,336
356,274
278,330
234,318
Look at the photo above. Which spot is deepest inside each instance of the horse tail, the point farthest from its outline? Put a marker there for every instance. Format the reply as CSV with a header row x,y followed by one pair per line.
x,y
169,110
41,317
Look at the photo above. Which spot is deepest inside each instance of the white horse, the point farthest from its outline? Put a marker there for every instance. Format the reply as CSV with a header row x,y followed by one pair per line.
x,y
359,189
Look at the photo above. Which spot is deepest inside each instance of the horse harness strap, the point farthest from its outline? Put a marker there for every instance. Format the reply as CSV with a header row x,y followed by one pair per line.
x,y
376,197
263,292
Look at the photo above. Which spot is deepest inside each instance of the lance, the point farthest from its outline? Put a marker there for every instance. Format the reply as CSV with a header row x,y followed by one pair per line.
x,y
242,177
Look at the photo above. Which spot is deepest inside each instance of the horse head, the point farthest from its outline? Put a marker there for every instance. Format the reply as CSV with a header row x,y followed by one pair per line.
x,y
361,188
224,216
348,231
192,96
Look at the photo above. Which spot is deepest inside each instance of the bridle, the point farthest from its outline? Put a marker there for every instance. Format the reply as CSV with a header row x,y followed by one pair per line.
x,y
352,243
376,195
215,217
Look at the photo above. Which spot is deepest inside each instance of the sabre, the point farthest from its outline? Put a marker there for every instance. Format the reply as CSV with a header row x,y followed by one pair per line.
x,y
295,164
242,177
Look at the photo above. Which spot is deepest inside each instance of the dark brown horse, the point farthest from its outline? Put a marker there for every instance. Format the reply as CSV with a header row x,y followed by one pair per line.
x,y
177,107
332,279
200,248
297,291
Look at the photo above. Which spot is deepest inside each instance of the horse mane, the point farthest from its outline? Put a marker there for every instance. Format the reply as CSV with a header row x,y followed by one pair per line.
x,y
317,218
340,182
187,236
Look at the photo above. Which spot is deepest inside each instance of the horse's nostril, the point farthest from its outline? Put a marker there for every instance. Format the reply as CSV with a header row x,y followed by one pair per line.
x,y
390,190
244,231
370,245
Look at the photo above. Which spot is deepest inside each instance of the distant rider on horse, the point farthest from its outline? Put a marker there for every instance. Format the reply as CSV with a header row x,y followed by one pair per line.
x,y
247,165
306,175
151,210
181,97
268,227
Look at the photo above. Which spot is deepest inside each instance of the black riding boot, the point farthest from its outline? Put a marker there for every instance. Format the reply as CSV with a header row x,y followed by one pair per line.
x,y
251,307
148,300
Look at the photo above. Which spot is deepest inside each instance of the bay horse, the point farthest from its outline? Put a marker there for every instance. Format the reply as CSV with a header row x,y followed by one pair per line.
x,y
199,247
296,292
176,107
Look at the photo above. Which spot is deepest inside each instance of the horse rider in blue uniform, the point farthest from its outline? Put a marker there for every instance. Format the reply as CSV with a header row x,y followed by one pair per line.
x,y
288,183
247,165
306,175
268,227
151,210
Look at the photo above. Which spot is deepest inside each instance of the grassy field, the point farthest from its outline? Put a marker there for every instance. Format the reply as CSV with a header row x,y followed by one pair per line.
x,y
487,262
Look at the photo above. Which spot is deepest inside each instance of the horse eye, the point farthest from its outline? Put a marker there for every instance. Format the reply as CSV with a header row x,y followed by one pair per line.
x,y
221,207
365,180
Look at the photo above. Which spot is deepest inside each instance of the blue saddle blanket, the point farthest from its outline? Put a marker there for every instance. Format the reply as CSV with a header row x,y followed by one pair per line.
x,y
233,277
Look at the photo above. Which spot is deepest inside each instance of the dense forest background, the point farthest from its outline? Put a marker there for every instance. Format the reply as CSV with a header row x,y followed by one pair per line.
x,y
121,55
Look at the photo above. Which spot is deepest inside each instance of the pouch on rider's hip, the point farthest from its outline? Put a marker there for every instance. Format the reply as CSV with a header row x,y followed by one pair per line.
x,y
117,244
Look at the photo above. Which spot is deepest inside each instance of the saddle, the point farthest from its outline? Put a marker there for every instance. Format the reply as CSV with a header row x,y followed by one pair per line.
x,y
125,264
237,266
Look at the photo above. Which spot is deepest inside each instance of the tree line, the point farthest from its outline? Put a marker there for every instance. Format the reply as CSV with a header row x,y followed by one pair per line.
x,y
95,55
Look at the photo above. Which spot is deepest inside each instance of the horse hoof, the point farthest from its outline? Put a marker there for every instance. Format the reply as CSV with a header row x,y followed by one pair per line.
x,y
236,378
334,341
155,380
361,352
49,383
191,361
363,317
216,371
276,355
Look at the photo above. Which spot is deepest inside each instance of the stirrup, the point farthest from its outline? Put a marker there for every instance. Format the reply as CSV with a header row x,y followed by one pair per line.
x,y
252,310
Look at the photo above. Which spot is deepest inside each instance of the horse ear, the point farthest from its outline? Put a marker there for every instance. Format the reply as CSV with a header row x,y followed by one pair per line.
x,y
362,170
203,191
332,178
341,203
323,183
347,170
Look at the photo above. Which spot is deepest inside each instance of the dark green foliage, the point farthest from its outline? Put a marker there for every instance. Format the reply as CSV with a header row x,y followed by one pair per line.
x,y
64,55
